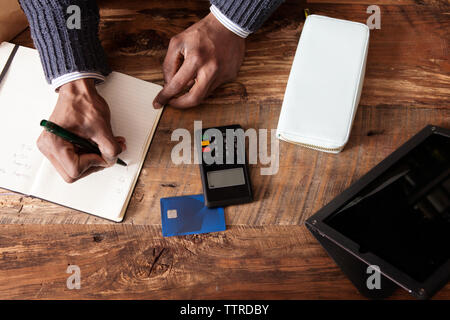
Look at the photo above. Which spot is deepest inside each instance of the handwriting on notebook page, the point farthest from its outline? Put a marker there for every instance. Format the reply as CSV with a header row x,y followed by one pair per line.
x,y
21,164
120,184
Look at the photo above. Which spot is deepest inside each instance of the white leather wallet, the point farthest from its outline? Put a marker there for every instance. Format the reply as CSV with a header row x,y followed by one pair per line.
x,y
325,83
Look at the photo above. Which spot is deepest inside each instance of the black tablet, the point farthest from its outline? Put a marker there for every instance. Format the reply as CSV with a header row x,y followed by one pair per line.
x,y
397,216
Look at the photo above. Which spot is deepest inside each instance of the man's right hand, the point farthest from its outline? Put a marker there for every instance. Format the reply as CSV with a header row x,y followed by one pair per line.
x,y
81,110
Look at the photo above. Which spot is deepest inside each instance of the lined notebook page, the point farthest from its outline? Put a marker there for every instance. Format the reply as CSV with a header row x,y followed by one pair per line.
x,y
26,98
106,193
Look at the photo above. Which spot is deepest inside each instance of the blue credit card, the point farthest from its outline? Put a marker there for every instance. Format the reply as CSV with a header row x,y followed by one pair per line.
x,y
189,215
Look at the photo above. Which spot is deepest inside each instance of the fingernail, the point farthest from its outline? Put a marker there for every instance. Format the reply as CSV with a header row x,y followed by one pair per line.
x,y
157,105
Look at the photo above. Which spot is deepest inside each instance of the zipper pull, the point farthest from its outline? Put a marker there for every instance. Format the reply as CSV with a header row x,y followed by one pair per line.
x,y
306,11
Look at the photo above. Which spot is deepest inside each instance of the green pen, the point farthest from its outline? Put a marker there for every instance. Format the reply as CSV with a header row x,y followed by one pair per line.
x,y
82,143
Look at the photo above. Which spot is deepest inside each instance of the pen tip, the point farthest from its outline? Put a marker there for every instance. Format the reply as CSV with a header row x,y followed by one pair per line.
x,y
121,162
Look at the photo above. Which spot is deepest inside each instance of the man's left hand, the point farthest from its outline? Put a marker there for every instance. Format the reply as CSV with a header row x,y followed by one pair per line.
x,y
198,60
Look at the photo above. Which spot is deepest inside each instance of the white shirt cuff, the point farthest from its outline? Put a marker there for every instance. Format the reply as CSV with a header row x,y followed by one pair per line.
x,y
58,82
227,23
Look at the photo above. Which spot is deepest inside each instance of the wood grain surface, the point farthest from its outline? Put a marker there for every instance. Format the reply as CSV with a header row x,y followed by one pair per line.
x,y
267,253
134,262
407,86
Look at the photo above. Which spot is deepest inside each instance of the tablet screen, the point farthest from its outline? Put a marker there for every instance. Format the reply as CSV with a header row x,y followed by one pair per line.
x,y
403,216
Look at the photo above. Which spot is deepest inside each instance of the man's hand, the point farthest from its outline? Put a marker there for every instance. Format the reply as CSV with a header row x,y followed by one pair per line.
x,y
81,110
202,57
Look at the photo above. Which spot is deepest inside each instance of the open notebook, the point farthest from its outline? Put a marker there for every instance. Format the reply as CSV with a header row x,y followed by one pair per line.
x,y
26,98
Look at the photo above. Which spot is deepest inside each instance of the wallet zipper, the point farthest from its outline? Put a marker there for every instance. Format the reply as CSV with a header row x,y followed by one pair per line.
x,y
313,146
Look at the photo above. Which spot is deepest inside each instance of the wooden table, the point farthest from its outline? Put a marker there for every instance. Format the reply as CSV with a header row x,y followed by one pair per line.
x,y
266,251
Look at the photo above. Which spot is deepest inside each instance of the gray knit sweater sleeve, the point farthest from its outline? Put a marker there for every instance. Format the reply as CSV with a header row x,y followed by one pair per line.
x,y
248,14
64,50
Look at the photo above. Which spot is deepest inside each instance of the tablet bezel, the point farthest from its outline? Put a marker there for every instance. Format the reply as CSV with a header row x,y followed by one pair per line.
x,y
421,290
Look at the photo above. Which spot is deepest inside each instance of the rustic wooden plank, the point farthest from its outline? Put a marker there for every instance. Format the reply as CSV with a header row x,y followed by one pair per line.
x,y
126,262
384,2
306,180
407,86
408,57
398,61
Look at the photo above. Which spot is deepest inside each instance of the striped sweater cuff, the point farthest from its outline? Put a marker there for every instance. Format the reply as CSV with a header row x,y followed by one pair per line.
x,y
69,77
249,15
227,23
